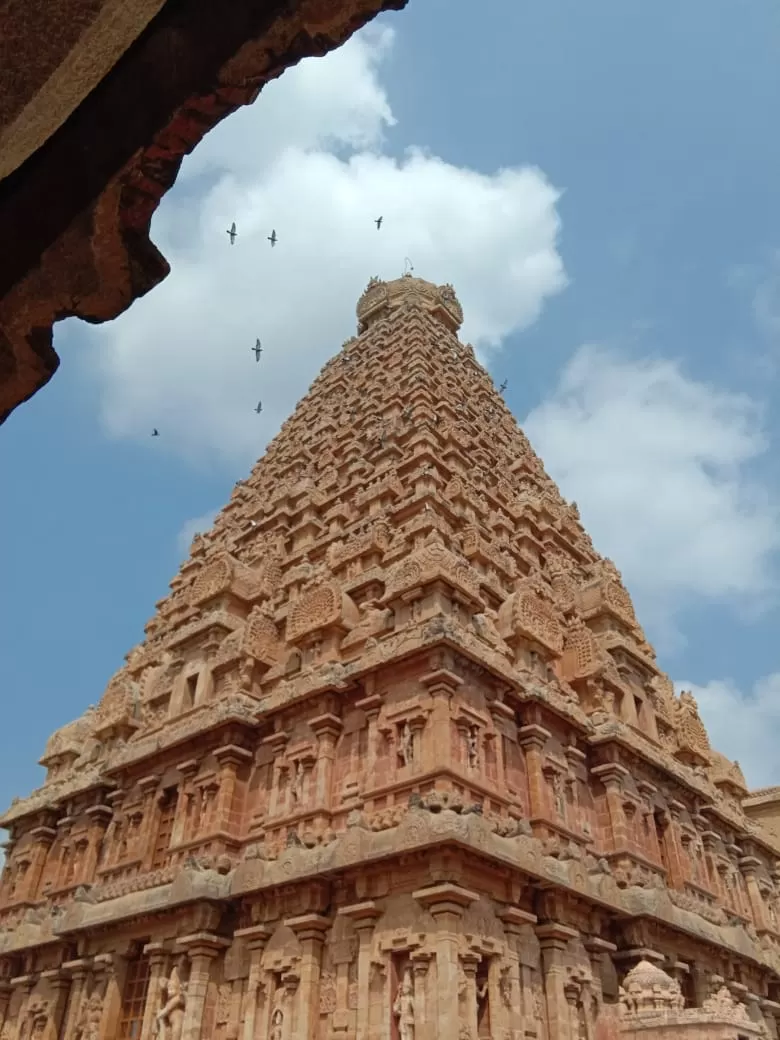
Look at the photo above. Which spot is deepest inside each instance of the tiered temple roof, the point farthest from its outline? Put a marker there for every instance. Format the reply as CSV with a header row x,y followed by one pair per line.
x,y
397,655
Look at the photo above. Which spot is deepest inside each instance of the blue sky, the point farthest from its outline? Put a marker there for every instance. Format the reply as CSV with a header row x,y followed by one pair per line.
x,y
647,372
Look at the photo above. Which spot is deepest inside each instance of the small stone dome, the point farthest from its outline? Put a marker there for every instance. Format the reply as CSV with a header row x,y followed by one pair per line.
x,y
648,988
379,297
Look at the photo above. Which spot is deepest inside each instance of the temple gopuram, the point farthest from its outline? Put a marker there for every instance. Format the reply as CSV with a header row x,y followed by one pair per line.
x,y
394,761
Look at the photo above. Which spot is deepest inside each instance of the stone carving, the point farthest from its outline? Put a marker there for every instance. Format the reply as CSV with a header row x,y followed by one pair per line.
x,y
648,989
169,1019
472,747
403,1006
296,788
405,745
90,1015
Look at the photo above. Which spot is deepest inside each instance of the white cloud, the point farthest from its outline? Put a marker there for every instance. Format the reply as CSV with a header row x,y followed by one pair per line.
x,y
743,726
197,525
308,161
659,466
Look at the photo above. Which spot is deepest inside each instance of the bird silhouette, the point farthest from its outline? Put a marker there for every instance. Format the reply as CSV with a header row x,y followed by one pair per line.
x,y
232,233
272,238
378,222
155,432
503,386
258,349
259,407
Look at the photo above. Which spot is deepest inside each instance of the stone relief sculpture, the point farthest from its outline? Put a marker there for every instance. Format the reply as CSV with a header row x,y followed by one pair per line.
x,y
405,745
297,783
88,1027
403,1007
169,1019
472,747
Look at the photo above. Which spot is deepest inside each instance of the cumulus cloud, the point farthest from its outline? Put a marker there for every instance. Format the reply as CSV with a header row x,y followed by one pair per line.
x,y
197,525
660,466
742,725
310,161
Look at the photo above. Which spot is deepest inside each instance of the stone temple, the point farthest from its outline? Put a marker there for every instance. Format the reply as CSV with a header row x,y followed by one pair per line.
x,y
394,761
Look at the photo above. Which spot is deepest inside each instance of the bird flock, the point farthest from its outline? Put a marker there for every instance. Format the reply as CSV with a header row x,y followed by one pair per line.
x,y
257,349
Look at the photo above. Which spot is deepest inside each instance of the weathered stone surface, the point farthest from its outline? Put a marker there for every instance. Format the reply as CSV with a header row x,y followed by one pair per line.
x,y
410,770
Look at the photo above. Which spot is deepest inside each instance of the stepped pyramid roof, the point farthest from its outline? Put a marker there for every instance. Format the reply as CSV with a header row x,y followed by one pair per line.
x,y
400,507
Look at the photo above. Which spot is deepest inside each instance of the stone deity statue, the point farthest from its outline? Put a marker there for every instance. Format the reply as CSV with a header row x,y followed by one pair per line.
x,y
472,745
403,1007
169,1019
405,748
297,784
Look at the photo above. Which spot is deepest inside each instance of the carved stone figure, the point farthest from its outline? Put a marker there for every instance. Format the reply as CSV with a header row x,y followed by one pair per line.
x,y
472,747
405,745
169,1019
403,1007
296,788
88,1027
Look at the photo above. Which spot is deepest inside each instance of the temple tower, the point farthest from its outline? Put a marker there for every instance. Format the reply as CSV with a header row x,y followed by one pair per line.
x,y
394,761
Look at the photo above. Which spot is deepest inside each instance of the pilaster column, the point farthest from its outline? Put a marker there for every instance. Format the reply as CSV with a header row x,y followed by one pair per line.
x,y
598,949
748,866
201,948
514,921
78,970
5,1000
612,775
59,985
553,940
158,962
184,824
421,963
533,740
470,963
110,967
44,839
23,984
370,706
501,714
326,728
230,758
363,916
100,817
256,938
446,903
310,929
441,685
151,810
277,743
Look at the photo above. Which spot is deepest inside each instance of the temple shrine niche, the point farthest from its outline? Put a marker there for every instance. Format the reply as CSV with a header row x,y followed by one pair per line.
x,y
394,760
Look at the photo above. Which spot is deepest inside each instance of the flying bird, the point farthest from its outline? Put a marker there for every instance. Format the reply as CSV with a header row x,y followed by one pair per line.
x,y
232,233
258,349
259,407
378,222
272,238
155,432
503,386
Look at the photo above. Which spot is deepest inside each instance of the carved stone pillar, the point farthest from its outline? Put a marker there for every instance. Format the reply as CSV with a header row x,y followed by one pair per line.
x,y
256,938
158,963
59,985
277,742
22,984
78,971
151,811
201,948
421,963
363,916
310,929
441,685
446,903
670,841
749,865
470,963
111,968
5,999
326,728
612,775
229,758
43,841
514,920
533,739
370,706
553,940
598,949
501,714
100,817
